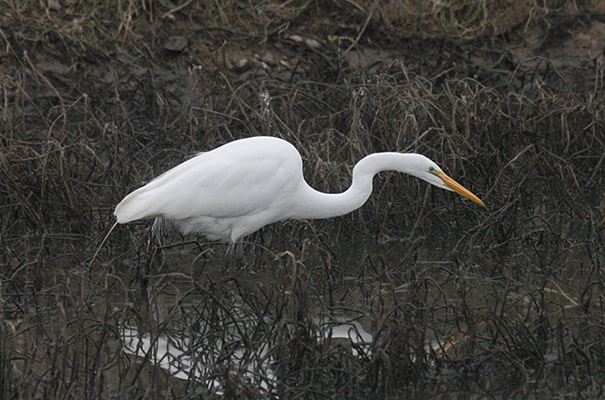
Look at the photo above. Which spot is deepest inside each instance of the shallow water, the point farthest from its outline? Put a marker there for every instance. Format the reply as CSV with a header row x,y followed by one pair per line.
x,y
173,352
202,321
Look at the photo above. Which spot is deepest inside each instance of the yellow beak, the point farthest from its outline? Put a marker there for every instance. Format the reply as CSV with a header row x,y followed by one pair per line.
x,y
458,188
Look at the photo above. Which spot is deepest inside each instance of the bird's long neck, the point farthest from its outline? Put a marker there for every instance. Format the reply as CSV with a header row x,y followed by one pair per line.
x,y
311,204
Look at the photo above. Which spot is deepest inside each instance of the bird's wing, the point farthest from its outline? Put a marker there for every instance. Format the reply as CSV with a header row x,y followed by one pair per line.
x,y
214,186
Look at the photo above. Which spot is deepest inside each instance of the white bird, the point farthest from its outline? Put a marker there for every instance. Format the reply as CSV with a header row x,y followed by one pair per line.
x,y
236,189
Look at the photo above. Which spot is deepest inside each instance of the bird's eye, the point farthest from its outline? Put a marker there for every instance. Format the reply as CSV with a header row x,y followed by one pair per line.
x,y
434,171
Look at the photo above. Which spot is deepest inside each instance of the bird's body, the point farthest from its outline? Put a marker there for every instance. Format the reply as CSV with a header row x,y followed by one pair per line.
x,y
236,189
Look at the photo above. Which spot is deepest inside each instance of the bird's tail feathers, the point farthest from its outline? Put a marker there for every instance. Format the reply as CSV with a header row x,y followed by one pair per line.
x,y
137,205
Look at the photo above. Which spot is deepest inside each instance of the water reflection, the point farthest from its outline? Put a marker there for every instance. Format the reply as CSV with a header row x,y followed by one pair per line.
x,y
251,330
163,351
175,353
344,328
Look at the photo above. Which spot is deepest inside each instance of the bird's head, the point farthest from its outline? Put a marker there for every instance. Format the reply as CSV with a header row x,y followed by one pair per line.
x,y
429,171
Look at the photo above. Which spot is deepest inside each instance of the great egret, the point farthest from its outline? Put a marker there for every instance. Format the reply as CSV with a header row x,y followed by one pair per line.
x,y
238,188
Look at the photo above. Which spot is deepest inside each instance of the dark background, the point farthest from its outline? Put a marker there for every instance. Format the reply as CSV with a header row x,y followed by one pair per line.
x,y
99,97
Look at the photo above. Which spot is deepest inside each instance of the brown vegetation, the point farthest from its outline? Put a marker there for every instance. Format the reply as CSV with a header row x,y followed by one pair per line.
x,y
500,301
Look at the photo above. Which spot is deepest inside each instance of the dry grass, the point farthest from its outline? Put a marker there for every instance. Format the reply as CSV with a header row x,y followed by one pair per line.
x,y
510,296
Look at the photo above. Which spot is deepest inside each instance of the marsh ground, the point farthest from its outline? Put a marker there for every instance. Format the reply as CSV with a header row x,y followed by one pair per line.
x,y
99,97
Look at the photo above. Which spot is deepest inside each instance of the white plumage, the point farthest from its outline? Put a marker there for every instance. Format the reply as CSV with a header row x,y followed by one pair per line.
x,y
238,188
